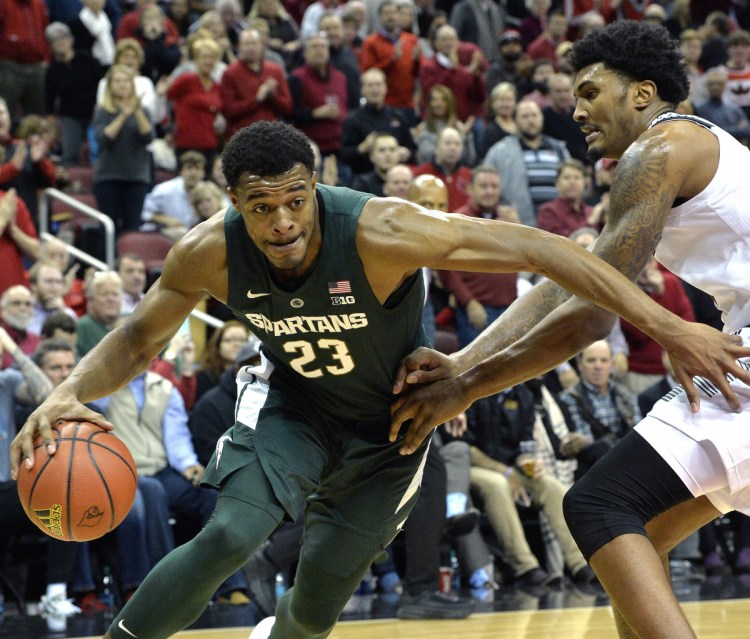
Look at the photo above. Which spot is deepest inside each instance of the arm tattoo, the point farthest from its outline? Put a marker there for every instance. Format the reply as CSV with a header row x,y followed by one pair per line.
x,y
641,197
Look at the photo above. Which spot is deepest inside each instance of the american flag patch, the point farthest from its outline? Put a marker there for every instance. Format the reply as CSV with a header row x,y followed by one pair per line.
x,y
339,287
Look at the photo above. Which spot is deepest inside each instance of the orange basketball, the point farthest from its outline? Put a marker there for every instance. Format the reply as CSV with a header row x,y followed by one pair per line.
x,y
85,489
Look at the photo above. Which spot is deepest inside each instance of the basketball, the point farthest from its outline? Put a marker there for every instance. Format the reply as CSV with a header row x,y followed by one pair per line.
x,y
85,489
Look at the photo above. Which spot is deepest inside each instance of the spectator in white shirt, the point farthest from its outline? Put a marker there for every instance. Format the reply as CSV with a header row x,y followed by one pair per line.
x,y
168,207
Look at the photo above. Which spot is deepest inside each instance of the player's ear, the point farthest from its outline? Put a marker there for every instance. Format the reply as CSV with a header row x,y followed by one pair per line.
x,y
644,93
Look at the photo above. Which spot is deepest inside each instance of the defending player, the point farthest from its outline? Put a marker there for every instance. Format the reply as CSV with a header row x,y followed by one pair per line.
x,y
681,191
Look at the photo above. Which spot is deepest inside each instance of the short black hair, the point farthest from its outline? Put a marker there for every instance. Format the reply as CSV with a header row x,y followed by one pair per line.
x,y
55,321
639,51
265,148
51,345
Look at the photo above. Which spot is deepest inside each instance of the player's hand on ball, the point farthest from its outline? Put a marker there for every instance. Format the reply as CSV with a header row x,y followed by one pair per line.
x,y
59,406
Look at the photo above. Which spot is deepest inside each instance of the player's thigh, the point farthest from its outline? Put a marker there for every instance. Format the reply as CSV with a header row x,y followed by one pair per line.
x,y
361,504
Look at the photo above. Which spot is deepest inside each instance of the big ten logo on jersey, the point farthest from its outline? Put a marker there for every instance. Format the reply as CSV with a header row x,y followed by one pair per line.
x,y
338,291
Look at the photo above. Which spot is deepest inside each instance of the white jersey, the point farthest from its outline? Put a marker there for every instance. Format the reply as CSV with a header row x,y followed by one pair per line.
x,y
706,240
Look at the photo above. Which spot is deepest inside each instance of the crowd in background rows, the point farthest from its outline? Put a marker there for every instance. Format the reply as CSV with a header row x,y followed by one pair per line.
x,y
465,107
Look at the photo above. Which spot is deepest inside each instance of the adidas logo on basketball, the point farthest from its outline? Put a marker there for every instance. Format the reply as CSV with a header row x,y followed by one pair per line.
x,y
51,519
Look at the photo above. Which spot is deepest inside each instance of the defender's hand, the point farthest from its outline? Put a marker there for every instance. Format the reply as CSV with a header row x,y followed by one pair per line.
x,y
57,407
423,366
700,350
427,408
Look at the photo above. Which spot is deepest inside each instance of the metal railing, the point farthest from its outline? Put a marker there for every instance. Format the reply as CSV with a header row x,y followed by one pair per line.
x,y
109,240
106,221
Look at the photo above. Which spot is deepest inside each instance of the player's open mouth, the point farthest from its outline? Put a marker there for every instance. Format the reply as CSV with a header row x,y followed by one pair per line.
x,y
287,247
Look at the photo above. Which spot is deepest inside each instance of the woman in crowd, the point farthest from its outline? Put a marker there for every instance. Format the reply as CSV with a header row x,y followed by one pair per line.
x,y
211,21
123,130
220,353
284,32
503,100
207,199
441,113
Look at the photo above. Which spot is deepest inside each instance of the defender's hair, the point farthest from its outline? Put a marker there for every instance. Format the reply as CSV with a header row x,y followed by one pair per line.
x,y
637,51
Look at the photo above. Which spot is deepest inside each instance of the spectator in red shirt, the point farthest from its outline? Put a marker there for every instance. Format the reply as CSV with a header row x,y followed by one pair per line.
x,y
253,88
396,53
17,238
24,162
128,25
481,297
447,166
319,96
466,82
196,104
17,307
545,45
23,55
646,366
568,212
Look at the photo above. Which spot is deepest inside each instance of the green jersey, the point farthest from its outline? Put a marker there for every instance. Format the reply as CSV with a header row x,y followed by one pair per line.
x,y
334,346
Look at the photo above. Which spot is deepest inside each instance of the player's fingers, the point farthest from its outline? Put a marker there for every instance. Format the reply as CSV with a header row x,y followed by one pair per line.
x,y
418,430
400,412
398,383
692,393
47,437
412,362
722,384
422,376
87,415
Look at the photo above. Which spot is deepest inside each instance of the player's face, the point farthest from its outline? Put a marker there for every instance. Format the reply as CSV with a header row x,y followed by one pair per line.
x,y
281,218
604,111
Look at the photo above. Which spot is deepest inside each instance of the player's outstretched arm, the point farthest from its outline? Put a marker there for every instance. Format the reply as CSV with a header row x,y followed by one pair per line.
x,y
481,245
125,352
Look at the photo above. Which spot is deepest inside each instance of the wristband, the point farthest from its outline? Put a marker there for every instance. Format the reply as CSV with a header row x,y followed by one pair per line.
x,y
508,472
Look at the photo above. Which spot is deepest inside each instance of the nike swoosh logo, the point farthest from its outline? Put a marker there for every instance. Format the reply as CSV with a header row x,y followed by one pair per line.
x,y
220,447
251,295
122,627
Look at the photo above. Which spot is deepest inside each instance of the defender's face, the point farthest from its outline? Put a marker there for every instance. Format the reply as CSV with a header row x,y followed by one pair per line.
x,y
281,218
603,109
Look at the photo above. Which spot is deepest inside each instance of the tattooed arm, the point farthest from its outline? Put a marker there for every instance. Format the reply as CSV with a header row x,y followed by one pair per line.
x,y
547,326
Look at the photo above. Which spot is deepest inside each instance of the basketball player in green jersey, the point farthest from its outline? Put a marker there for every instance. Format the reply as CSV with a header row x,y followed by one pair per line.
x,y
329,279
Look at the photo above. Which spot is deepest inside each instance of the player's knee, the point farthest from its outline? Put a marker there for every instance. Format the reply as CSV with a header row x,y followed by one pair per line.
x,y
595,516
221,534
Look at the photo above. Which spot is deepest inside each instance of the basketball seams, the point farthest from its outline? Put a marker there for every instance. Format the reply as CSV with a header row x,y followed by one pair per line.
x,y
71,459
92,459
99,471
